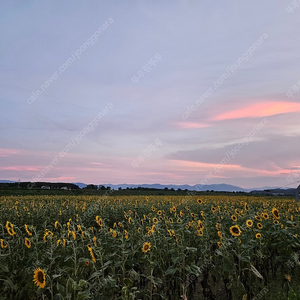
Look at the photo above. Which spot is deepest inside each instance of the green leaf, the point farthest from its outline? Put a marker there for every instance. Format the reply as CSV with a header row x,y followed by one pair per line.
x,y
61,289
128,282
191,249
171,271
83,295
255,271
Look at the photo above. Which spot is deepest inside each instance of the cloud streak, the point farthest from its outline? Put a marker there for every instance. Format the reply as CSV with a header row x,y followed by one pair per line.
x,y
258,110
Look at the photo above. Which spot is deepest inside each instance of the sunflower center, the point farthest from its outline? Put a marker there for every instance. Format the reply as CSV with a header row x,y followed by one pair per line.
x,y
235,230
40,277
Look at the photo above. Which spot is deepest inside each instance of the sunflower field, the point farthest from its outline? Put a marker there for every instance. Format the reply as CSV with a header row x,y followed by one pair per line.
x,y
157,247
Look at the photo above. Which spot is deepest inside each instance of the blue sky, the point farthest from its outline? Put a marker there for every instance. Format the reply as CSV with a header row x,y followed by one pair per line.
x,y
187,47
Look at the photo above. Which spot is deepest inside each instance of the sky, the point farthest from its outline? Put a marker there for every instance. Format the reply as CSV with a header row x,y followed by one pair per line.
x,y
170,92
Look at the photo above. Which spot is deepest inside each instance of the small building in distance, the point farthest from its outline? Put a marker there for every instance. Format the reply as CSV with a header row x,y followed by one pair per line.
x,y
45,187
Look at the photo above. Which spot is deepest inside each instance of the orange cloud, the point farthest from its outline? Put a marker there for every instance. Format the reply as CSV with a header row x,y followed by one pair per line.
x,y
260,110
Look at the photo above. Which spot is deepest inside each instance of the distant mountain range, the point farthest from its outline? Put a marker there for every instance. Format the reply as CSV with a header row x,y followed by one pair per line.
x,y
215,187
223,187
7,181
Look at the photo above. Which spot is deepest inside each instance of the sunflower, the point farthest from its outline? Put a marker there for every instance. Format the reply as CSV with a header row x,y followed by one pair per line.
x,y
126,234
159,212
170,220
64,242
7,226
193,215
2,244
246,207
199,201
87,263
200,225
199,232
219,244
139,230
218,226
155,221
27,243
10,229
220,234
275,213
174,208
235,230
276,222
179,221
99,221
114,234
174,237
258,235
45,237
265,216
27,230
91,252
56,224
258,218
181,214
234,218
249,223
259,226
39,278
187,226
95,241
57,242
74,235
120,224
146,247
288,277
93,256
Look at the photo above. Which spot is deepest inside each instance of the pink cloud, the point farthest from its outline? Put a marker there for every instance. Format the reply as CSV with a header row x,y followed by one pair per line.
x,y
221,170
191,125
56,179
4,152
21,168
260,110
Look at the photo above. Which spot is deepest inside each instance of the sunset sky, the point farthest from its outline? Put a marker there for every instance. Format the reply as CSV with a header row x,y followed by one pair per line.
x,y
150,92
